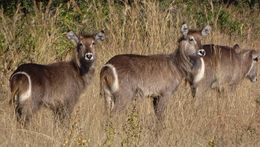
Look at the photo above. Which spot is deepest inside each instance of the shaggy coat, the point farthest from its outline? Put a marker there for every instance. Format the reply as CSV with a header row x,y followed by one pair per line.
x,y
125,77
56,86
226,66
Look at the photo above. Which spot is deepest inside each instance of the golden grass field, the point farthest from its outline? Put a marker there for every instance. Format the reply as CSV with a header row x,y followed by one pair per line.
x,y
229,119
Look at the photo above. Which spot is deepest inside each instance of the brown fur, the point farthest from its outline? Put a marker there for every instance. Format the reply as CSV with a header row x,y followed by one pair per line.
x,y
56,86
157,76
225,66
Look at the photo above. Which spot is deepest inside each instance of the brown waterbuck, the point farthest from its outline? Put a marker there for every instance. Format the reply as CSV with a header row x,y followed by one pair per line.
x,y
226,66
125,76
57,85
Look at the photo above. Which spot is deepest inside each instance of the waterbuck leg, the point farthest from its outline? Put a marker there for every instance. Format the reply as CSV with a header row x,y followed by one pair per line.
x,y
199,92
62,113
120,102
193,91
159,103
109,102
23,112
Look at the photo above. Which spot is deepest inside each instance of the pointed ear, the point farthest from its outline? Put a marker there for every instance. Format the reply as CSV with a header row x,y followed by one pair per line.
x,y
184,29
236,48
100,36
73,37
206,30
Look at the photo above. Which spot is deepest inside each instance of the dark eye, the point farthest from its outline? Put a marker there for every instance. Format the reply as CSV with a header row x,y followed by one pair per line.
x,y
255,59
80,45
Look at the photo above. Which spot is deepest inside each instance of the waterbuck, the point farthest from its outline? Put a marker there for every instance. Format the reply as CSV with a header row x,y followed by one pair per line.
x,y
57,85
226,66
125,76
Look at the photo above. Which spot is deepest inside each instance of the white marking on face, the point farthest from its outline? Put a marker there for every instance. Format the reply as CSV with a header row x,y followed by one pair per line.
x,y
26,95
92,44
201,52
115,85
192,39
201,72
89,56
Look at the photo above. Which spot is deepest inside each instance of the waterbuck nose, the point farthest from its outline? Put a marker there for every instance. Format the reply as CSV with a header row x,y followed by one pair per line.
x,y
254,80
201,52
89,56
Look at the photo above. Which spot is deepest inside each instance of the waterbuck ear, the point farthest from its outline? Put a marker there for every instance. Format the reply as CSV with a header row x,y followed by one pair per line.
x,y
206,30
100,36
184,29
73,37
236,47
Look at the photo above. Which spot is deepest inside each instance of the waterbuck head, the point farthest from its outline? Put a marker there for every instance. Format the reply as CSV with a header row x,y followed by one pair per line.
x,y
85,45
190,42
252,57
193,37
190,51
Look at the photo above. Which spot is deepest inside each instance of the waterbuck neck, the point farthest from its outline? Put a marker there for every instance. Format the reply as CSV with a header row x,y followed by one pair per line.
x,y
83,66
183,63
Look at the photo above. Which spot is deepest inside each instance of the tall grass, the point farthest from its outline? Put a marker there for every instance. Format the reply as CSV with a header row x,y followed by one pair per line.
x,y
147,27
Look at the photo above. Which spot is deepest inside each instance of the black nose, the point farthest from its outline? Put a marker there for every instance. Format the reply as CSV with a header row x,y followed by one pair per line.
x,y
88,56
201,52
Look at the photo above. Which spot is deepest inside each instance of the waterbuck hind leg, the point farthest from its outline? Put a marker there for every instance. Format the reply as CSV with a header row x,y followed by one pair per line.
x,y
121,101
23,113
109,101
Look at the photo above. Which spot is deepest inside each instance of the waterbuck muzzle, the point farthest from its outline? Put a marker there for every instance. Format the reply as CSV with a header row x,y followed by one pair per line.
x,y
201,52
252,72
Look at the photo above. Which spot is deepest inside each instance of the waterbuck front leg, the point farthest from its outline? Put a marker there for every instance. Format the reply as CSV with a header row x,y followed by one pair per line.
x,y
198,92
63,112
159,104
193,89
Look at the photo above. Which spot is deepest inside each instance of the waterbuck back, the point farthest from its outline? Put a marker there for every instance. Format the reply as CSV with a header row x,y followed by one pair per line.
x,y
226,66
126,76
57,85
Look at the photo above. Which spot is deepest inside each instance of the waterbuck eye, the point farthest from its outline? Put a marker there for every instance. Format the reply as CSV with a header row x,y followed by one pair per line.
x,y
255,59
80,45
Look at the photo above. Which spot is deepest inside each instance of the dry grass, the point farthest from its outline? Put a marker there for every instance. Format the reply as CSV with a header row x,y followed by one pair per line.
x,y
222,120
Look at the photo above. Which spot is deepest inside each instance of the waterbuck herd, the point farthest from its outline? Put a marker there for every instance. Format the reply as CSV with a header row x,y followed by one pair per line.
x,y
125,77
